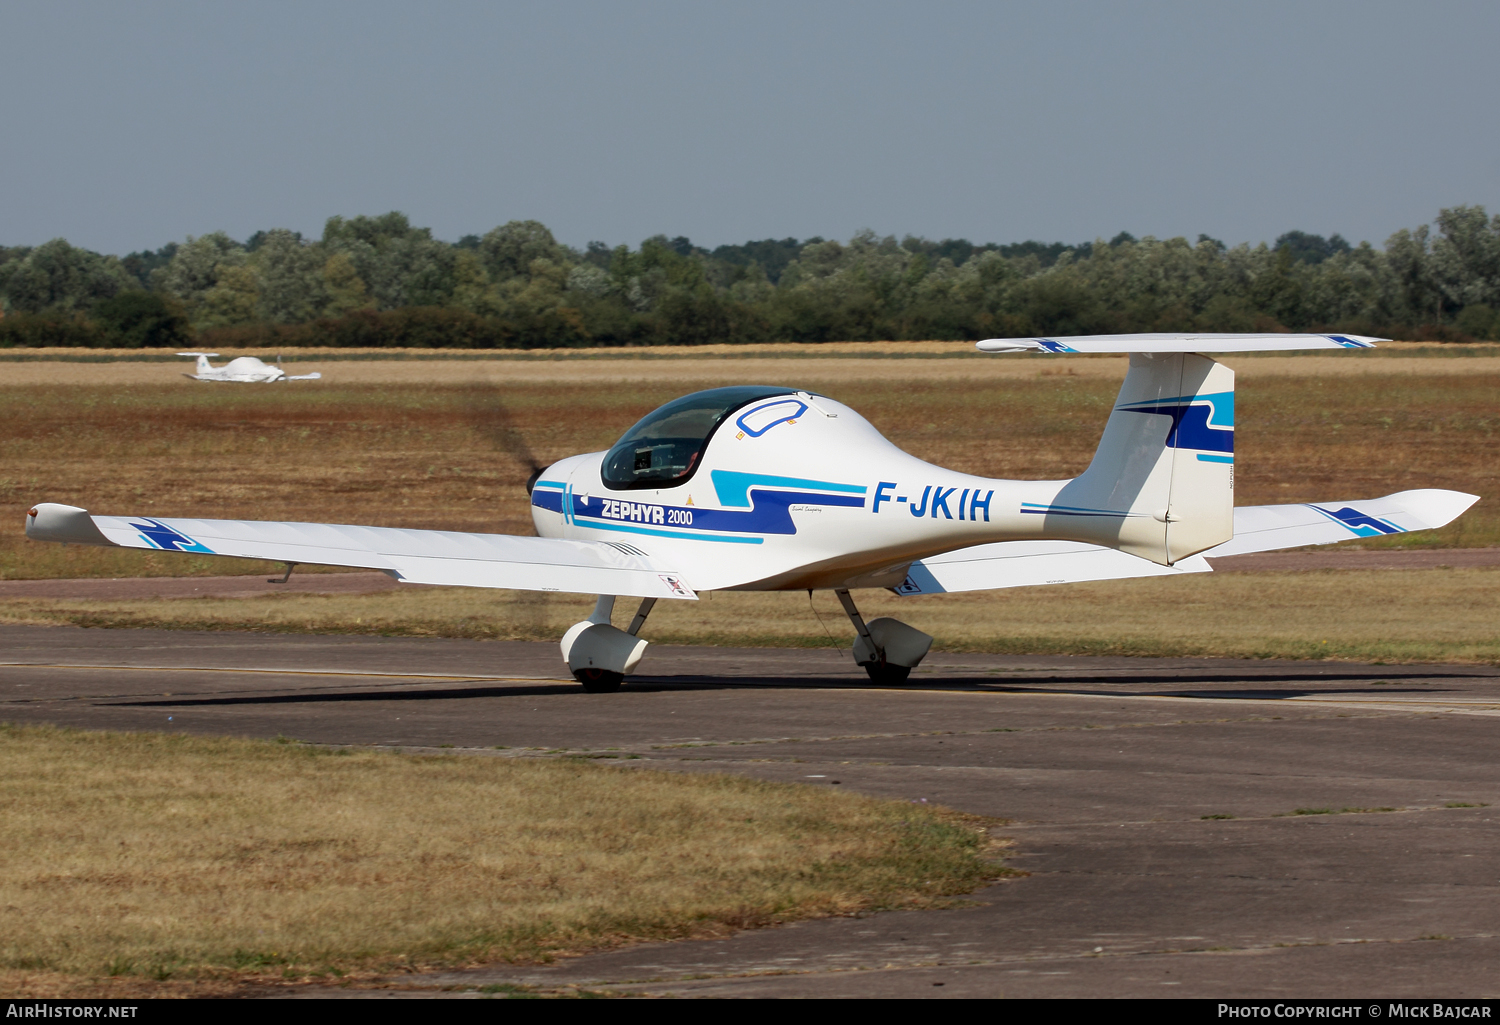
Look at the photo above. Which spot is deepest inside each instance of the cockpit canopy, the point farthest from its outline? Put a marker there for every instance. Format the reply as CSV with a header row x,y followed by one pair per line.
x,y
665,447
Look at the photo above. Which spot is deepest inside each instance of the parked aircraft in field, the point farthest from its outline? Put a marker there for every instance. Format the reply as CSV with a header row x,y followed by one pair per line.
x,y
759,487
243,370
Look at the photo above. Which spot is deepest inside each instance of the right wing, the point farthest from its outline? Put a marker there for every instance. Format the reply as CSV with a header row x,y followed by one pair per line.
x,y
411,556
1257,528
1029,563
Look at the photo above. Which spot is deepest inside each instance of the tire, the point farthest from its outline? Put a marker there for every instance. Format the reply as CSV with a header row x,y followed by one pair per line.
x,y
887,674
598,681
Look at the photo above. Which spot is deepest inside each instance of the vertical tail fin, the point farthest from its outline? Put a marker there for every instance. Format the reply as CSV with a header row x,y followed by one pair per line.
x,y
203,366
1161,485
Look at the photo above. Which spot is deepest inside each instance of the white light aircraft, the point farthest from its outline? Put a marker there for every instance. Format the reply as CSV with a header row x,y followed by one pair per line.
x,y
757,488
243,370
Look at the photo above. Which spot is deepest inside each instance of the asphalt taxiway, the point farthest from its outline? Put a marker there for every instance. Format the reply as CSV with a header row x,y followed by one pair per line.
x,y
1201,827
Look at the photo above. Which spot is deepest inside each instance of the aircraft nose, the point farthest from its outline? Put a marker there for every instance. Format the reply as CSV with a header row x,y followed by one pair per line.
x,y
536,475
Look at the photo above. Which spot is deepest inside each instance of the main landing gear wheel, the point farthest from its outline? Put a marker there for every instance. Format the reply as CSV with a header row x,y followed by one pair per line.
x,y
883,645
598,681
887,674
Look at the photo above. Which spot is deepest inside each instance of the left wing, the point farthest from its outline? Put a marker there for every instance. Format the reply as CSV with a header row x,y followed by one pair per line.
x,y
1265,528
1257,528
1177,343
411,556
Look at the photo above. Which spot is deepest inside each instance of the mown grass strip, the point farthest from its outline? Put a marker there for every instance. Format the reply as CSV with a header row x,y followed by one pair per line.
x,y
170,857
1391,616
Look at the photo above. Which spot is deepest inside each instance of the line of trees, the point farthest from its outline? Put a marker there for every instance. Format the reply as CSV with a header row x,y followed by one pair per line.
x,y
379,281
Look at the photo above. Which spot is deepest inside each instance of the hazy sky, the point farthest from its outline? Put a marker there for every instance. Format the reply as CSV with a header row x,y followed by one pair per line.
x,y
127,125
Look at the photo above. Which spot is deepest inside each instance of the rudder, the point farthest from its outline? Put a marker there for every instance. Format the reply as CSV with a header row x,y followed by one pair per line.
x,y
1161,485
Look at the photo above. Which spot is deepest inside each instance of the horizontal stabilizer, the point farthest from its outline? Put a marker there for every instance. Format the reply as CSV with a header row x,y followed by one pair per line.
x,y
411,556
1257,528
1031,563
1178,343
1265,528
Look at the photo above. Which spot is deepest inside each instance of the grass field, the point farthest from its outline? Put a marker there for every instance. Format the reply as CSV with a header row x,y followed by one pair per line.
x,y
156,857
444,456
440,455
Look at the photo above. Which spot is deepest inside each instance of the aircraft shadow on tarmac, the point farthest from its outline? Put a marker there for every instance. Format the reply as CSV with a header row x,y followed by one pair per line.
x,y
1089,686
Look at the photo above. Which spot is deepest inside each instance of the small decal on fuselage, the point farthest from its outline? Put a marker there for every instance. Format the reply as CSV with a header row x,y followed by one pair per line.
x,y
675,585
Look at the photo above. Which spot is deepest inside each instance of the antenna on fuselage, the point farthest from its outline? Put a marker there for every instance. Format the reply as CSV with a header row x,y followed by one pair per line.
x,y
808,398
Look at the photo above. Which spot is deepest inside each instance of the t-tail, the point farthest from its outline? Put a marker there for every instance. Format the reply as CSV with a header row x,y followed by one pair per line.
x,y
203,366
1161,485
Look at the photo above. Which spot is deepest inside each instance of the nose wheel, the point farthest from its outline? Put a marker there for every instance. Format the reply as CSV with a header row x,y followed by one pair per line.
x,y
886,674
597,654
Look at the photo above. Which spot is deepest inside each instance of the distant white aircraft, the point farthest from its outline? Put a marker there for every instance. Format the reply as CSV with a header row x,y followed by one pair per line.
x,y
768,488
243,369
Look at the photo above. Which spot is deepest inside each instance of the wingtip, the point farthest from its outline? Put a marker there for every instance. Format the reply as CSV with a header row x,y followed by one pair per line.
x,y
1440,507
1433,507
1008,345
68,524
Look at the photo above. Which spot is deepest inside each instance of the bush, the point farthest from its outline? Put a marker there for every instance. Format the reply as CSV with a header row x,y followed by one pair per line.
x,y
137,319
38,330
413,327
1479,321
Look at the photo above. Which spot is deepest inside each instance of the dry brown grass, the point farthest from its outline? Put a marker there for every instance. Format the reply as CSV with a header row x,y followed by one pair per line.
x,y
1431,615
168,856
434,455
812,366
